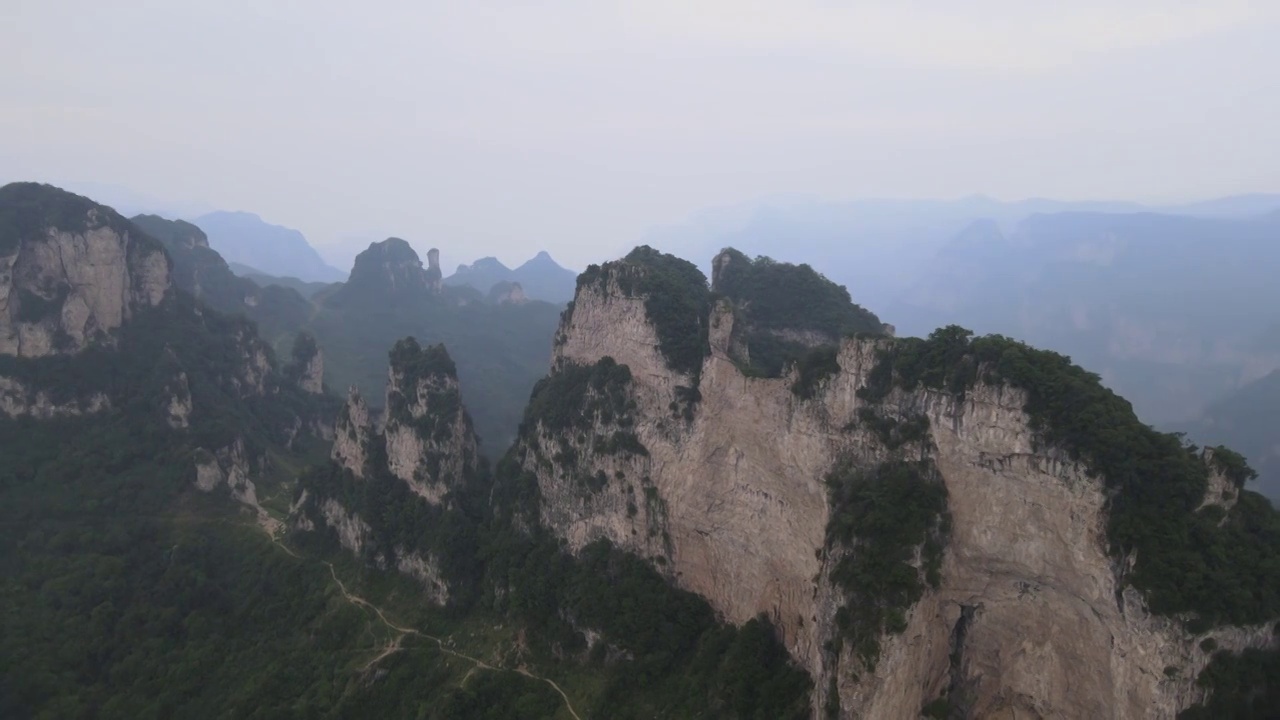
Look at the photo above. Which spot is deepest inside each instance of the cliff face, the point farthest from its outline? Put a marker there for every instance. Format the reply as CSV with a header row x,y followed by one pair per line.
x,y
723,488
430,443
70,272
414,463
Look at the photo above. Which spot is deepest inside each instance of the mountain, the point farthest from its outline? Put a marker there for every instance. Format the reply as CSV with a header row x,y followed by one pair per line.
x,y
862,527
544,279
540,277
1172,311
501,348
912,514
880,248
144,447
201,271
1246,420
244,238
261,279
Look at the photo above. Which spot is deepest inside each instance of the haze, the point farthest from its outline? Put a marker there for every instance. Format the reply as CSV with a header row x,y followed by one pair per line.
x,y
500,128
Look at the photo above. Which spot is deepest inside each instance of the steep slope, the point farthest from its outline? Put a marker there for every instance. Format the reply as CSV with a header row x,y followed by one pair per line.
x,y
501,348
401,495
242,237
70,271
201,271
140,469
965,526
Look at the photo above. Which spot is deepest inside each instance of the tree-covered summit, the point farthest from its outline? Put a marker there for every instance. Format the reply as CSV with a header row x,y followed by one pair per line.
x,y
28,210
677,301
784,311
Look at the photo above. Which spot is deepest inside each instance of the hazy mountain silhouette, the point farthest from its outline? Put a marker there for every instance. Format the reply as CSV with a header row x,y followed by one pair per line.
x,y
541,277
245,238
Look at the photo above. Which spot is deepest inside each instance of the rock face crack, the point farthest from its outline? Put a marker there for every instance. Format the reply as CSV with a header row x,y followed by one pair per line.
x,y
957,692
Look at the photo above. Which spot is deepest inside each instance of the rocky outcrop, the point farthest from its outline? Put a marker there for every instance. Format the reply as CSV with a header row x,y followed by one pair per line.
x,y
311,379
434,275
352,531
425,570
352,434
178,409
389,271
230,467
507,293
17,399
71,272
306,368
430,443
255,363
719,480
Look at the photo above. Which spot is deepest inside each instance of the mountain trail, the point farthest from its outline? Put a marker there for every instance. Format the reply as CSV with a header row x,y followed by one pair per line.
x,y
395,646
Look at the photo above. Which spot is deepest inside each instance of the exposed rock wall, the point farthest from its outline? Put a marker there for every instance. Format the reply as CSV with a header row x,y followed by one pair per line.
x,y
16,400
430,443
351,435
1030,618
60,290
230,466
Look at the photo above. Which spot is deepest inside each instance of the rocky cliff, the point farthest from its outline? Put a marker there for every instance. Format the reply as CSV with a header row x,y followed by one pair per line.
x,y
71,271
413,468
918,543
430,443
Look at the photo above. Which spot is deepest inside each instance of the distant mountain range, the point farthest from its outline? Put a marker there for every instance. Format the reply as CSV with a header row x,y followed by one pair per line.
x,y
1246,420
878,247
246,239
542,278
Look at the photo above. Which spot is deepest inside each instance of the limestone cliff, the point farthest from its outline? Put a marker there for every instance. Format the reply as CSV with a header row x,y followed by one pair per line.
x,y
430,443
1013,603
352,435
230,467
411,469
71,271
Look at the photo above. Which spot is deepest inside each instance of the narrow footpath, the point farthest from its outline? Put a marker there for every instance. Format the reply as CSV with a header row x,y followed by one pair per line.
x,y
394,646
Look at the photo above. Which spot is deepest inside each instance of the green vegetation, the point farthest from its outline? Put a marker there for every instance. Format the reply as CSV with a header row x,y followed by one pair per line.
x,y
816,366
891,432
1233,465
1184,561
783,296
28,210
500,351
879,518
577,397
304,351
202,272
661,651
676,300
1243,687
784,310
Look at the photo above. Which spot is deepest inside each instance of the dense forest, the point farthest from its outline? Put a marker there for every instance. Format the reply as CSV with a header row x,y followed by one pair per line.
x,y
787,313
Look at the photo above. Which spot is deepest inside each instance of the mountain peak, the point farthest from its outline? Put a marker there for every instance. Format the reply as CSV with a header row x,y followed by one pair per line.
x,y
391,268
72,271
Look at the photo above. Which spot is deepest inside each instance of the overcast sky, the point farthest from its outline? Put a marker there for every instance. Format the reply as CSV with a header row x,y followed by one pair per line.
x,y
506,126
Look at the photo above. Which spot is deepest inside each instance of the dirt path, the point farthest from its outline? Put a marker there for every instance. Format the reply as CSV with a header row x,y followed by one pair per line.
x,y
477,664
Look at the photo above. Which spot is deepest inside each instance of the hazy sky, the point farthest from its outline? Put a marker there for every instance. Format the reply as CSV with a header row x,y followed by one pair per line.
x,y
506,126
